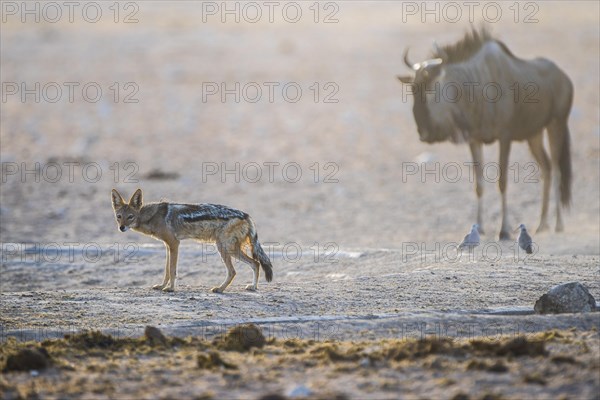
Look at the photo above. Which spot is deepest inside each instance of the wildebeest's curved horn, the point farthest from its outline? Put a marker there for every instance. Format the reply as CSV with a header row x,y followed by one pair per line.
x,y
433,61
408,63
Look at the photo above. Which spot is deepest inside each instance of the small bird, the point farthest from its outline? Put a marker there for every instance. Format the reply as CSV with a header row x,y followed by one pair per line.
x,y
524,240
471,239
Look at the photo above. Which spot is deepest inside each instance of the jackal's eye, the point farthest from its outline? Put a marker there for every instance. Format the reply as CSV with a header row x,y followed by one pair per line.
x,y
118,216
129,217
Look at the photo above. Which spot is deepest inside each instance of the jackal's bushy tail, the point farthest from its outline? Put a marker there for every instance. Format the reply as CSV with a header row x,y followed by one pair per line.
x,y
259,254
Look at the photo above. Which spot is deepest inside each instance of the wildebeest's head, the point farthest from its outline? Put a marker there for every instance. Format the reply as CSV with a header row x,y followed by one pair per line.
x,y
422,84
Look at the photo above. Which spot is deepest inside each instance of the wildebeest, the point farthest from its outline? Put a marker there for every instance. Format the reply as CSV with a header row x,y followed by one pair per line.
x,y
477,91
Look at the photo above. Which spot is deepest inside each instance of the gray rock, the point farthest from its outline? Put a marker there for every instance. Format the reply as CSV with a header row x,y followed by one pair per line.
x,y
570,297
154,335
299,391
27,360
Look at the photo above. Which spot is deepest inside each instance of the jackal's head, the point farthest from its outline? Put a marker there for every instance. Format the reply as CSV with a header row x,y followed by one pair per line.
x,y
127,213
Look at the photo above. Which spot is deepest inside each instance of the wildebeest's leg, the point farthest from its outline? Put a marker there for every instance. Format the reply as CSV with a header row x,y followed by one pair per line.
x,y
226,257
477,154
504,153
560,153
536,145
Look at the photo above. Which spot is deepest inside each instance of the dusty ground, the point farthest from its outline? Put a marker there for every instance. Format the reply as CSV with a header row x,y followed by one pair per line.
x,y
555,364
360,251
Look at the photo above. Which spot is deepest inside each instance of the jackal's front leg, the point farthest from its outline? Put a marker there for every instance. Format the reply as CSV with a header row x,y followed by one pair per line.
x,y
173,249
162,285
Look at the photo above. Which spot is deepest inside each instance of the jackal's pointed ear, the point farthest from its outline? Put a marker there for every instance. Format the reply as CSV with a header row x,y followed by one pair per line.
x,y
136,199
117,200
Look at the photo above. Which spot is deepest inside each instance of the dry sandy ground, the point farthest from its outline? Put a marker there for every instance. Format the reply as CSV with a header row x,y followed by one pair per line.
x,y
554,364
360,251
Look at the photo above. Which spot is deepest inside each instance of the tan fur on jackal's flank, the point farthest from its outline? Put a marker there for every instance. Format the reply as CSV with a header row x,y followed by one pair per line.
x,y
231,230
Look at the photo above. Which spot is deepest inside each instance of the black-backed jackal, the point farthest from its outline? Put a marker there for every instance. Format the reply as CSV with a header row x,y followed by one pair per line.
x,y
231,230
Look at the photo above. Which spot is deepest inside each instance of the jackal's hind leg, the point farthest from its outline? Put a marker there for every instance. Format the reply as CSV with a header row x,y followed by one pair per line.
x,y
240,255
226,257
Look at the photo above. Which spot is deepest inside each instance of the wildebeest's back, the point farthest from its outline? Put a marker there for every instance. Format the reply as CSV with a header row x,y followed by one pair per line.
x,y
510,96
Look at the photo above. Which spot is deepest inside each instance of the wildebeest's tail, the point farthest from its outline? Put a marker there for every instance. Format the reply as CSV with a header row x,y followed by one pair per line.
x,y
560,140
564,163
259,255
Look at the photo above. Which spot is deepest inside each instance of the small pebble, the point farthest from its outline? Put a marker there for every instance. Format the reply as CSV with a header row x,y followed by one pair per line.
x,y
299,391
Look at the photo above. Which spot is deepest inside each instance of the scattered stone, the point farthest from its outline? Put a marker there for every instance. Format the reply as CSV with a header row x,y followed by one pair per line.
x,y
535,378
520,346
422,348
437,363
241,338
492,396
213,360
570,297
57,214
461,396
272,396
91,339
28,360
365,362
498,366
331,352
516,347
299,391
563,359
154,335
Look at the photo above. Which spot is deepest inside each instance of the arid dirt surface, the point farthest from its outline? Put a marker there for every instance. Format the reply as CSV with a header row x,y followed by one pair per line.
x,y
553,364
360,218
